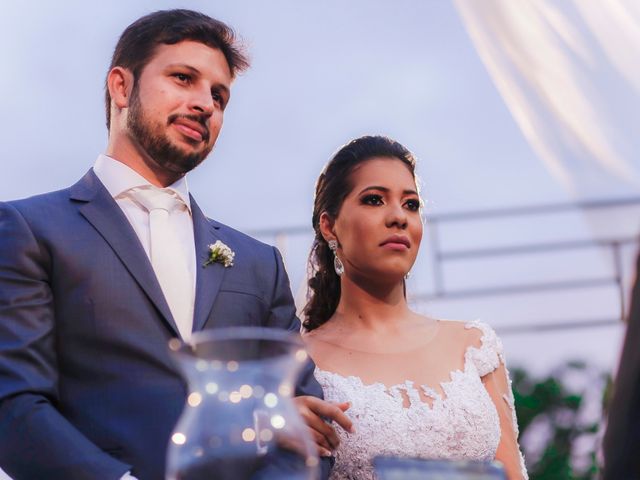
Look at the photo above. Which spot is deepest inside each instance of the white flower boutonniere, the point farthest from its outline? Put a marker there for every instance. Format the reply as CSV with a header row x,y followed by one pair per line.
x,y
220,253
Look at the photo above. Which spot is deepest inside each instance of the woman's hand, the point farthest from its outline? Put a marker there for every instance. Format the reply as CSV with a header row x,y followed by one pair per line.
x,y
314,411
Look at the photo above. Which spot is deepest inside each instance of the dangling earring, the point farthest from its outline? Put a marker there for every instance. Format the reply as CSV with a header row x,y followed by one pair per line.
x,y
337,263
407,275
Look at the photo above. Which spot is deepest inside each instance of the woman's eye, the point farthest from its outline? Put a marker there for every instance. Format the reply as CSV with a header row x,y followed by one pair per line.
x,y
413,205
372,200
182,77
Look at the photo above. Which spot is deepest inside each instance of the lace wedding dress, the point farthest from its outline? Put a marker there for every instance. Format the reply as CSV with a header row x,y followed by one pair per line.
x,y
464,417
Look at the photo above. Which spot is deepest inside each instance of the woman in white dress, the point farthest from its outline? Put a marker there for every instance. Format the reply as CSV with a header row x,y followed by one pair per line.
x,y
409,385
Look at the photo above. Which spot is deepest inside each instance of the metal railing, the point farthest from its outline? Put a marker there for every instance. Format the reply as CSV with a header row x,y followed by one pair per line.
x,y
613,245
441,256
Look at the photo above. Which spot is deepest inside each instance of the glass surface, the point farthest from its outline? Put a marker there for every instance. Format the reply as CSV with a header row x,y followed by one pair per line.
x,y
394,468
239,421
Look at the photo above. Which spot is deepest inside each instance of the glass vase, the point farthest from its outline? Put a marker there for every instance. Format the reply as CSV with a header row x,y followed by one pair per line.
x,y
239,421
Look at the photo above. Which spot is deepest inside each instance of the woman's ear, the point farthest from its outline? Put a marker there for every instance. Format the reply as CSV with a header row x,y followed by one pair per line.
x,y
120,85
326,227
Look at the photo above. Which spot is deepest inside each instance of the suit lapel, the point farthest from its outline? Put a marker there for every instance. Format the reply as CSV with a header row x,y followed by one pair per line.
x,y
103,213
209,278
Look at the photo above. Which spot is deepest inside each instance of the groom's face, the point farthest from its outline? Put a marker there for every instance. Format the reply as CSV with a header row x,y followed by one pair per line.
x,y
177,105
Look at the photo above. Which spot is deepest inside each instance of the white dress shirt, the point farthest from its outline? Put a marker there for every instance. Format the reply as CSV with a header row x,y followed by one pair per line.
x,y
119,179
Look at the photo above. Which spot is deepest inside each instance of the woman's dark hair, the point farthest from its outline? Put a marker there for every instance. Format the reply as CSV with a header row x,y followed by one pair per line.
x,y
139,41
333,185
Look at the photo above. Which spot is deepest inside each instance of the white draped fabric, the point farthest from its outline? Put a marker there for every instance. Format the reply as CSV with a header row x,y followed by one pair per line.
x,y
569,72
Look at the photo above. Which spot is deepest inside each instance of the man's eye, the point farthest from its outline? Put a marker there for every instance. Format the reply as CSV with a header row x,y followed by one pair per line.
x,y
219,98
413,205
372,200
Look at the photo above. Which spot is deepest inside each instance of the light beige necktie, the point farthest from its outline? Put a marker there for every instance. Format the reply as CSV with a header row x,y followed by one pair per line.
x,y
167,255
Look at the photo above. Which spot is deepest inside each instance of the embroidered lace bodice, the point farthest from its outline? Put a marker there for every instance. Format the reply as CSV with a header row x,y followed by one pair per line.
x,y
460,420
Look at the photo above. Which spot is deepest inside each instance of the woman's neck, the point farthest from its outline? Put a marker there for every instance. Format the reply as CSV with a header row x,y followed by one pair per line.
x,y
371,307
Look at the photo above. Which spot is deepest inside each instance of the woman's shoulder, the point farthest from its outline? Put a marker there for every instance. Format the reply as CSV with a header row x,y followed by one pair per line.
x,y
479,341
475,331
323,332
320,341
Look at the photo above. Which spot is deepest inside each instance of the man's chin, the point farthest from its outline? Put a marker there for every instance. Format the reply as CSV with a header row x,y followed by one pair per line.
x,y
179,166
172,155
192,150
182,163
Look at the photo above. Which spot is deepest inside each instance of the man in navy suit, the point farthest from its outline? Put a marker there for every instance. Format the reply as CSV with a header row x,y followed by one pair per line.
x,y
87,387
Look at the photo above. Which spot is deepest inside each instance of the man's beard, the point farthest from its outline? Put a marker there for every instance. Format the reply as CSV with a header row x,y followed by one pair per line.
x,y
158,146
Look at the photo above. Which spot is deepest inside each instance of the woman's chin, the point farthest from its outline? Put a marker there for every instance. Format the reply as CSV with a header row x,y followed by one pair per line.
x,y
385,276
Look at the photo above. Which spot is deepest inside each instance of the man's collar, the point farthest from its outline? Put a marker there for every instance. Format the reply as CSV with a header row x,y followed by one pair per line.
x,y
119,178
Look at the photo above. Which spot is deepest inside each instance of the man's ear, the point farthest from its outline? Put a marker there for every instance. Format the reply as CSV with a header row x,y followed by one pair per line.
x,y
327,225
120,85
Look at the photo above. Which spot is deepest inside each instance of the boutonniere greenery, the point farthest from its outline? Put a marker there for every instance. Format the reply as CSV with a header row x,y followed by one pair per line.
x,y
220,253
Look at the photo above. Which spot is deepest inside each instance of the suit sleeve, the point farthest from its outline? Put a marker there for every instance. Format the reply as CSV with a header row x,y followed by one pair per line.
x,y
283,315
622,437
36,441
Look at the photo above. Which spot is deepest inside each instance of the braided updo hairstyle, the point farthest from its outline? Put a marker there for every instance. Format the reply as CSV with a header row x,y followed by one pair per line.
x,y
333,185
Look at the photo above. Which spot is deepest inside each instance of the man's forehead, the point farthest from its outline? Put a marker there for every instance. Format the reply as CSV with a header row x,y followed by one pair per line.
x,y
184,51
184,48
189,54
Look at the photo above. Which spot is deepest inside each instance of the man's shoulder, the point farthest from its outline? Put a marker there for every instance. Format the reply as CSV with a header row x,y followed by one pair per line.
x,y
51,202
53,208
40,203
45,197
41,216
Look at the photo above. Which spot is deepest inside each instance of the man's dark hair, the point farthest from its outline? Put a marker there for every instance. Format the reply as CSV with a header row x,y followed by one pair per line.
x,y
138,42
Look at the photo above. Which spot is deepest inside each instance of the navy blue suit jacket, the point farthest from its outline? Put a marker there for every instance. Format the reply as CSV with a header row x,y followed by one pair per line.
x,y
622,438
87,387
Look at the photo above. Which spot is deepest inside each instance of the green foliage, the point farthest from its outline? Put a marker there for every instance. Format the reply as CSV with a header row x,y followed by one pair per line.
x,y
553,408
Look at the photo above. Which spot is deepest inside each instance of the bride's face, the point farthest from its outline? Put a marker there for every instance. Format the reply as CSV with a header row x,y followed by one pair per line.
x,y
379,227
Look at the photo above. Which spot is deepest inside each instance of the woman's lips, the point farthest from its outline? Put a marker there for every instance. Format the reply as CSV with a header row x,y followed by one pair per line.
x,y
395,246
396,242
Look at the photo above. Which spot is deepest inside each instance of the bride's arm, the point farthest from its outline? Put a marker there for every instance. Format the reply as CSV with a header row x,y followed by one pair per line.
x,y
499,387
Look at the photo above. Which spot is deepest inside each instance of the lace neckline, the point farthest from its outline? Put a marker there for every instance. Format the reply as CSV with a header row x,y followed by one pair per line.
x,y
408,386
429,339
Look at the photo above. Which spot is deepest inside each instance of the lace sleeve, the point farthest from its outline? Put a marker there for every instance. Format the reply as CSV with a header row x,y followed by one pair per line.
x,y
488,358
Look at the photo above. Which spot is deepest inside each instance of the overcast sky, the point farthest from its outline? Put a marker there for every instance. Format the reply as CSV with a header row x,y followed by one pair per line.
x,y
322,73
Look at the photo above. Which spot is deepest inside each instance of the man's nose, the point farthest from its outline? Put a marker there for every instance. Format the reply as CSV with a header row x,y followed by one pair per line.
x,y
201,101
